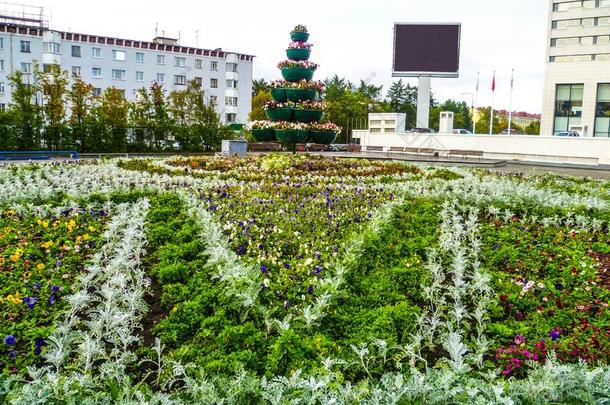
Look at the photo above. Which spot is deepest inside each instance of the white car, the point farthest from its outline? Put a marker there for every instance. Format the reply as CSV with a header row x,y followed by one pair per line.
x,y
572,134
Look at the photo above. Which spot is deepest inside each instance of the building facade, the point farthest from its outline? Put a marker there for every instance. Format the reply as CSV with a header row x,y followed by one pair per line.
x,y
128,65
577,80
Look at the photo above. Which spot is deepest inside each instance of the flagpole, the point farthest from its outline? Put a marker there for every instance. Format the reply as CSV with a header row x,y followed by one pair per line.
x,y
510,110
493,94
474,106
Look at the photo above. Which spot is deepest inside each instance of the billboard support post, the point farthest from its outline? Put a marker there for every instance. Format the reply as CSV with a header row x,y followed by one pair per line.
x,y
423,101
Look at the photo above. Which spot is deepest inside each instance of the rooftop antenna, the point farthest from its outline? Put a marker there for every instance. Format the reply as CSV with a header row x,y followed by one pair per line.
x,y
179,37
197,38
156,29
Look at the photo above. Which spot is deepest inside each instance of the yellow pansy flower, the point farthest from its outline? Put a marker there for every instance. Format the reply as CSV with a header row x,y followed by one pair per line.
x,y
40,266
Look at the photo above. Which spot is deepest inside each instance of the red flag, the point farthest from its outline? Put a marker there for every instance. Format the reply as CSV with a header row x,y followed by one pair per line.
x,y
493,83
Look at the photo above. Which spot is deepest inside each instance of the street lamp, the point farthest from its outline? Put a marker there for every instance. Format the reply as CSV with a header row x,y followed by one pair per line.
x,y
471,111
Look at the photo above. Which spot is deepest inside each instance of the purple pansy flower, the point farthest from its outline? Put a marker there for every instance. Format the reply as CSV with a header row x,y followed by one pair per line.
x,y
10,340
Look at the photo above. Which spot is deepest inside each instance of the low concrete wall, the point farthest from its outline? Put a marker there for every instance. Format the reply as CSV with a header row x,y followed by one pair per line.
x,y
591,151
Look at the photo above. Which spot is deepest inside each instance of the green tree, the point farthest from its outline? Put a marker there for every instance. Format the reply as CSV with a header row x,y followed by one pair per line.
x,y
462,117
53,83
112,114
533,128
348,107
198,127
402,98
140,120
8,134
80,99
259,86
25,111
482,125
258,102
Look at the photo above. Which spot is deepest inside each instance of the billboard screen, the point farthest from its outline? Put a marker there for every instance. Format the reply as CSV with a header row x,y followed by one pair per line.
x,y
426,50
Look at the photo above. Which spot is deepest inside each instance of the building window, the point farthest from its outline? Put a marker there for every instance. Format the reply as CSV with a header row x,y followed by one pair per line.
x,y
587,40
160,59
214,83
213,100
2,88
139,76
118,55
602,56
2,107
231,117
568,106
118,74
97,53
1,43
180,80
75,51
603,21
25,47
199,81
214,66
97,92
51,47
231,101
76,71
1,65
571,58
604,3
232,84
561,42
602,111
26,67
179,62
160,77
96,73
198,64
232,67
139,57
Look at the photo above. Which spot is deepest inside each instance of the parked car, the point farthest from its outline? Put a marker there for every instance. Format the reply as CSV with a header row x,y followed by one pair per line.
x,y
512,132
462,132
572,134
422,131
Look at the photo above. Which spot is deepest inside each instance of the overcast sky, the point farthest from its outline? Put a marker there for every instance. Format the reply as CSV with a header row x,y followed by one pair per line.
x,y
352,38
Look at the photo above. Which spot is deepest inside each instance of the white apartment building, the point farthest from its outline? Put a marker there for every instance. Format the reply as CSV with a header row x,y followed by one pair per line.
x,y
128,65
577,80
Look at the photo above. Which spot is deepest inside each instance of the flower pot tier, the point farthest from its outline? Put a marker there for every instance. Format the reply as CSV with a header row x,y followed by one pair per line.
x,y
301,94
322,137
263,135
296,74
298,54
280,114
299,36
291,135
308,115
279,95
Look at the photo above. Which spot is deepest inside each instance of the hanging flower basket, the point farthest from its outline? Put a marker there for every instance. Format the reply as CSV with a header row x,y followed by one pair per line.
x,y
297,95
298,54
308,115
280,114
279,94
263,135
323,137
295,74
291,135
298,36
323,133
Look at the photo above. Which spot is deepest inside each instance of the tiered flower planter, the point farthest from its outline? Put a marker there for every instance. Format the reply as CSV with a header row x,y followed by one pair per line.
x,y
295,111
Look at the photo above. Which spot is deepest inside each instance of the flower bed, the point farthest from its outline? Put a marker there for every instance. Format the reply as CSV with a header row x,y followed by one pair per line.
x,y
40,257
304,279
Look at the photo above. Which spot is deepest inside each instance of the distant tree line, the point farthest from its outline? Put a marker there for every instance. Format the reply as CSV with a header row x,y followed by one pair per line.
x,y
350,104
50,111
